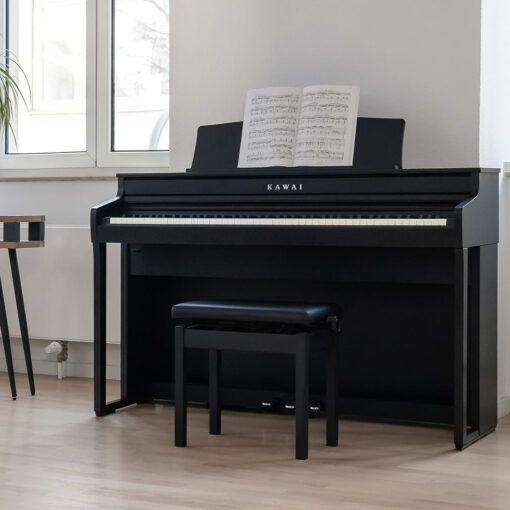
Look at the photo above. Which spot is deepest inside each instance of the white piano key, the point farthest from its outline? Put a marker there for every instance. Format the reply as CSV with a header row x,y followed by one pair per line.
x,y
263,222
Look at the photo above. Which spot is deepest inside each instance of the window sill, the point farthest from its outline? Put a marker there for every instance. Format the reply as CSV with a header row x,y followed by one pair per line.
x,y
57,179
73,174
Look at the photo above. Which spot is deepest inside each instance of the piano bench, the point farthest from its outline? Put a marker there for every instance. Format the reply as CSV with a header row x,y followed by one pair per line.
x,y
290,328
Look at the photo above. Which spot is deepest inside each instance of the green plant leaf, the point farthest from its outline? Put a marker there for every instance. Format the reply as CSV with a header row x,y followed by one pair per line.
x,y
11,93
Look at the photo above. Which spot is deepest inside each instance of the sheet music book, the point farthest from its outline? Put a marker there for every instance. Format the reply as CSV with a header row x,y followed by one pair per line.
x,y
287,126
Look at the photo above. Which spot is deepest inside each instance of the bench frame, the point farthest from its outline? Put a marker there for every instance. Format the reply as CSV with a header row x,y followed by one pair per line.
x,y
299,344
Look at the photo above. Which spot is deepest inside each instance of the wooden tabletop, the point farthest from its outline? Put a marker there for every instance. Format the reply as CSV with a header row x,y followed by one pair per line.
x,y
12,232
22,219
11,245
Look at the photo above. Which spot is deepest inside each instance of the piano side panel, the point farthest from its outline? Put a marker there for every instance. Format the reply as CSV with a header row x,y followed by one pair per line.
x,y
480,216
488,335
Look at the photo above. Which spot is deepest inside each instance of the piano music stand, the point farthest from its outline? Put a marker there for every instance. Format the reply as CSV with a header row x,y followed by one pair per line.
x,y
12,241
379,144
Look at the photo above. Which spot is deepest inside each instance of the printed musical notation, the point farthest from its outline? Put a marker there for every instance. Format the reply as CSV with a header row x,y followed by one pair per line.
x,y
278,99
286,126
270,132
326,126
309,157
271,120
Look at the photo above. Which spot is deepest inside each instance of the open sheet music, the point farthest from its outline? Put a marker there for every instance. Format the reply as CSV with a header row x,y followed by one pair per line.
x,y
286,126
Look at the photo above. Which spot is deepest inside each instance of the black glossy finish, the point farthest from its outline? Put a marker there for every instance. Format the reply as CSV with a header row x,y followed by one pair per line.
x,y
406,330
100,329
378,145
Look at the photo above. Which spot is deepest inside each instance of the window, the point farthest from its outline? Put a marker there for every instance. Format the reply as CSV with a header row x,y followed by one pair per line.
x,y
141,57
53,55
97,83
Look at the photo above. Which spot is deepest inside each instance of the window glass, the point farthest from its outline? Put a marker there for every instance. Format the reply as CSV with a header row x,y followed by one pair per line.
x,y
49,40
141,62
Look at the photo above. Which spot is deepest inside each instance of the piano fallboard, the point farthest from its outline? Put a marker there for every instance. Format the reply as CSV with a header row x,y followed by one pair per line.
x,y
305,181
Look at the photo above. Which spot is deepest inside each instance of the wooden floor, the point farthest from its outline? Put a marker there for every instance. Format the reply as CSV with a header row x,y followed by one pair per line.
x,y
55,454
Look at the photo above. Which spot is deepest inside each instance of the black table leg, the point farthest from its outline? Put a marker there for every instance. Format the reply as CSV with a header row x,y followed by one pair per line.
x,y
214,391
180,388
331,394
4,327
302,397
16,280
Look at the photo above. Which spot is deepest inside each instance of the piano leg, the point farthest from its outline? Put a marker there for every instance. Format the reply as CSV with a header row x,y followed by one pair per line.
x,y
102,407
460,346
475,359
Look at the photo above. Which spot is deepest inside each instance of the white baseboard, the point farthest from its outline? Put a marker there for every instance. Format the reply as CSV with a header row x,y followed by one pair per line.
x,y
80,362
64,267
503,406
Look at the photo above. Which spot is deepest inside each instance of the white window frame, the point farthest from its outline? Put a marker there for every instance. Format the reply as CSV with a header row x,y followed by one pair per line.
x,y
98,159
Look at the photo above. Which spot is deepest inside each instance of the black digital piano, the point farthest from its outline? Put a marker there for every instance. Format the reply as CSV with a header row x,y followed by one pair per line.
x,y
409,255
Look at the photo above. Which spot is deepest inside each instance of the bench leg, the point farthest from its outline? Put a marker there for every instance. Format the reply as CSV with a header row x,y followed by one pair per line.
x,y
214,391
302,397
331,394
180,388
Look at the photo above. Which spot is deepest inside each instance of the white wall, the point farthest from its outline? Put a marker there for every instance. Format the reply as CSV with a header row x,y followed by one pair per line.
x,y
67,202
495,103
416,59
57,279
494,151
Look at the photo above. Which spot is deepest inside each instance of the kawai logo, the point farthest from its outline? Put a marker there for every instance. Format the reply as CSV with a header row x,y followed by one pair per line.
x,y
285,187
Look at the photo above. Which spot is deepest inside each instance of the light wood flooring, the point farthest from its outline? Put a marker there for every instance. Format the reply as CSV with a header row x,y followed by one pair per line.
x,y
55,454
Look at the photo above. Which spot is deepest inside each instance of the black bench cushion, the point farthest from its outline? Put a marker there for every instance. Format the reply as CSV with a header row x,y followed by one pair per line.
x,y
283,313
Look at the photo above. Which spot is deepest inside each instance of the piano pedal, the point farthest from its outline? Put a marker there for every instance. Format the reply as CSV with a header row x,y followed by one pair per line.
x,y
289,408
273,405
315,409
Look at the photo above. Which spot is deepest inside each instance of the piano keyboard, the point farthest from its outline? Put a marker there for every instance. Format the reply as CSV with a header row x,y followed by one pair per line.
x,y
285,222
